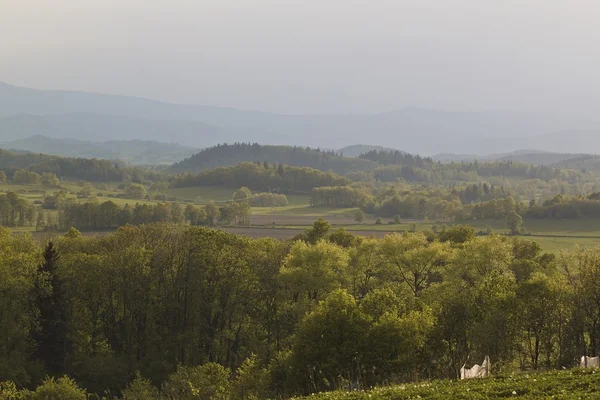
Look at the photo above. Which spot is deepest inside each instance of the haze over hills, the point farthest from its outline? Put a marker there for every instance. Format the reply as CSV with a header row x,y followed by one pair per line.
x,y
535,157
105,127
137,152
90,116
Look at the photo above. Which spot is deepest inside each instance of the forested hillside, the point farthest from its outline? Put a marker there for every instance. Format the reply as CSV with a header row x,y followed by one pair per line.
x,y
139,152
93,170
230,154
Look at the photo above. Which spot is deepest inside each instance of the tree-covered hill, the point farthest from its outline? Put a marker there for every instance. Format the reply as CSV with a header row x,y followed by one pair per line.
x,y
93,170
139,152
230,154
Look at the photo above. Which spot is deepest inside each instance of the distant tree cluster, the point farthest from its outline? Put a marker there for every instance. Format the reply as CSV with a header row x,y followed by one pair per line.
x,y
92,170
338,196
260,177
15,211
108,215
567,207
268,200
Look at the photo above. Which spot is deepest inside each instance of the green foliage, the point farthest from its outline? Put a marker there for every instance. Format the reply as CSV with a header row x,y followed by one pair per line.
x,y
29,166
256,177
269,200
135,191
514,222
242,194
16,211
185,306
566,385
58,389
330,340
359,216
140,389
251,381
319,230
206,382
224,155
49,179
338,196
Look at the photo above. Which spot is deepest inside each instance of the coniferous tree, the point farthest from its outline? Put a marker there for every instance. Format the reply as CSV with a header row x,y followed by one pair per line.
x,y
52,343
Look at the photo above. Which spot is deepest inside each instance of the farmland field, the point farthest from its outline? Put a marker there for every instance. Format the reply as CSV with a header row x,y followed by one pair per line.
x,y
286,222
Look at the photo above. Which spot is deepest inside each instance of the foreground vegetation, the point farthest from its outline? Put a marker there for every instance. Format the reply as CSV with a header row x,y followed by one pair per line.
x,y
569,384
179,310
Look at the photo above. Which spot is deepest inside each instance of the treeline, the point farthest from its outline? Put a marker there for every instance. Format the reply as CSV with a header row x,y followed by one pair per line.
x,y
338,196
15,211
262,177
224,155
398,166
566,207
93,170
471,202
195,312
108,215
268,200
396,157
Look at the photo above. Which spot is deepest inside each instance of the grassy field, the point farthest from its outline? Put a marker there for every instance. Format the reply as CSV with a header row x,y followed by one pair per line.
x,y
552,235
565,385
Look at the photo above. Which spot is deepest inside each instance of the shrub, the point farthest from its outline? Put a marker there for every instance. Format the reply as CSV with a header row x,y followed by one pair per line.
x,y
58,389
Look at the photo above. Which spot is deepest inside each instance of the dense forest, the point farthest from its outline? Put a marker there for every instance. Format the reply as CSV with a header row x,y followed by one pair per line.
x,y
225,155
173,311
93,170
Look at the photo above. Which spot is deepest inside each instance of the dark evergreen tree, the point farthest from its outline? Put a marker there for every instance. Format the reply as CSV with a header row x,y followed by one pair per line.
x,y
52,342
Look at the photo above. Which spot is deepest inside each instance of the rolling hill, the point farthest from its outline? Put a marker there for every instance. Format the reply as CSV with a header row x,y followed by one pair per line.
x,y
138,152
91,116
228,155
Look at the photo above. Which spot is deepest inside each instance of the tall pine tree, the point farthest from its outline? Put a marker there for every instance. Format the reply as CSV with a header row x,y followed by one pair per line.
x,y
52,343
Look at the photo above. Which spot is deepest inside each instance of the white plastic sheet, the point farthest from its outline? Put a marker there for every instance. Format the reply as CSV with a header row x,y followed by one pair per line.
x,y
590,362
476,371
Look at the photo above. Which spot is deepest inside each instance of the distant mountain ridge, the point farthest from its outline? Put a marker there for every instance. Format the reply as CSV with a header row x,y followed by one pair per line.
x,y
91,116
137,152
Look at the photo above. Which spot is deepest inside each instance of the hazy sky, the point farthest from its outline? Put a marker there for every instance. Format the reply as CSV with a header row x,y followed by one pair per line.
x,y
301,56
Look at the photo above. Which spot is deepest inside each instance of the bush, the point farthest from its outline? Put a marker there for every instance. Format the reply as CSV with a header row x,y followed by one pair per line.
x,y
378,221
58,389
208,382
359,216
140,389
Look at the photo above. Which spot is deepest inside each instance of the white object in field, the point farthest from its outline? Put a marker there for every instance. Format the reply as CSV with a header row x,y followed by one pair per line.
x,y
476,371
590,362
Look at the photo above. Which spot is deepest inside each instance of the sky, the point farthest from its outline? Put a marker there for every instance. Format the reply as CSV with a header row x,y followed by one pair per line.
x,y
313,56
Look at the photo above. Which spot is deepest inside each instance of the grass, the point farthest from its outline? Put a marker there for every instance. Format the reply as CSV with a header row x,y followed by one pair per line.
x,y
566,385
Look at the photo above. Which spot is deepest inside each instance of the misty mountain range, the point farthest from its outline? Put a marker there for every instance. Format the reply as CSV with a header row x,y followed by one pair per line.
x,y
100,118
